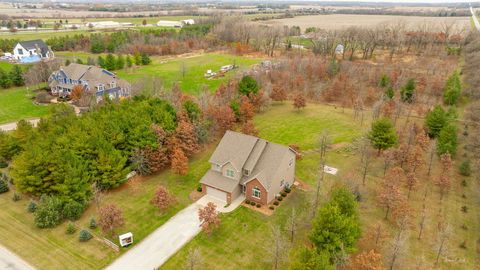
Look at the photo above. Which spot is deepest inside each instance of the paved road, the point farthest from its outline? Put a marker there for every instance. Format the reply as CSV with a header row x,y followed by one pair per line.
x,y
10,261
13,125
160,245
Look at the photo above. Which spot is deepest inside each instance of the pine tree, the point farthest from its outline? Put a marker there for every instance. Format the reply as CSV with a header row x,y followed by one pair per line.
x,y
129,61
110,62
145,59
383,135
452,90
407,92
5,81
16,76
435,121
101,62
120,64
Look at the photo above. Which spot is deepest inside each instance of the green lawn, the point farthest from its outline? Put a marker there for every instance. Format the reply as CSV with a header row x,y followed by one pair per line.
x,y
16,104
169,70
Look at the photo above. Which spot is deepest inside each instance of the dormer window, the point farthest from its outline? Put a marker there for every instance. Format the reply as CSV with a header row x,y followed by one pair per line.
x,y
246,172
290,163
112,85
100,87
230,173
216,167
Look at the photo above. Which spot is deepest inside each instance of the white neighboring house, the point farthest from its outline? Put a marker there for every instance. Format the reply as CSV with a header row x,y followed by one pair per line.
x,y
32,49
176,24
187,22
108,24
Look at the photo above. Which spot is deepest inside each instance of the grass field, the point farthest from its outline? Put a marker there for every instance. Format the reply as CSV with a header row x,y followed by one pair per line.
x,y
169,70
16,104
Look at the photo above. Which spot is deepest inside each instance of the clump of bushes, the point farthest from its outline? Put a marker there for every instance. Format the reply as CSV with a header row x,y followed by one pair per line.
x,y
31,207
70,228
16,197
92,224
199,188
252,203
280,199
287,190
271,207
276,203
49,212
247,201
3,185
465,168
3,163
259,205
84,236
464,209
73,210
463,245
283,194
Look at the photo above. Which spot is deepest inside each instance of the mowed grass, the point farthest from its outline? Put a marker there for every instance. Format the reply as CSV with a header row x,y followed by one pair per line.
x,y
54,249
192,81
244,239
16,104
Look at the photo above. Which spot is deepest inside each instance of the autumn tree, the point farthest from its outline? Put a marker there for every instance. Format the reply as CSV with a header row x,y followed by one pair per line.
x,y
186,137
110,217
162,198
209,219
77,92
249,129
299,101
193,260
390,197
383,135
278,93
247,111
443,181
179,161
223,117
367,260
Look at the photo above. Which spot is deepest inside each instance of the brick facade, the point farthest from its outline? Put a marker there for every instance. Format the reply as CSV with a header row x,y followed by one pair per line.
x,y
249,192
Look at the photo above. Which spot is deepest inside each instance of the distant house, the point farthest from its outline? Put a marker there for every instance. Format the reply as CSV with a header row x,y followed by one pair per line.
x,y
108,24
188,22
244,165
31,51
95,80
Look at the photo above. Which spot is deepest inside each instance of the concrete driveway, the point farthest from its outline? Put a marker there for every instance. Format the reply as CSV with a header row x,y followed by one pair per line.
x,y
160,245
10,261
13,125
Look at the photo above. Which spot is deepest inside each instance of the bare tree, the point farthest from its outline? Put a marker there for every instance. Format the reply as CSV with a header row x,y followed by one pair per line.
x,y
323,151
444,232
277,248
292,224
194,259
398,247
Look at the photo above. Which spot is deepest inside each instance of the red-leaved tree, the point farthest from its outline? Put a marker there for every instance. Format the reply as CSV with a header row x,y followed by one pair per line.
x,y
209,218
110,217
179,161
162,198
299,101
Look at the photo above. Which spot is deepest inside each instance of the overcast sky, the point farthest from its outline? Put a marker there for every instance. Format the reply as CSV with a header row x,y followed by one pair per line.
x,y
403,1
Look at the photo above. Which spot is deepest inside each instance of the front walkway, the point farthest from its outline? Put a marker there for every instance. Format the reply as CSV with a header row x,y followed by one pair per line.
x,y
13,125
9,260
160,245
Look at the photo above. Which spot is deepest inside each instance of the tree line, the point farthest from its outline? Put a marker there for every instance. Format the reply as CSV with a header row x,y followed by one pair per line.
x,y
12,78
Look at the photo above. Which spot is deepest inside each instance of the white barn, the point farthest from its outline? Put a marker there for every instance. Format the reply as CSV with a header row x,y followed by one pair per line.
x,y
31,51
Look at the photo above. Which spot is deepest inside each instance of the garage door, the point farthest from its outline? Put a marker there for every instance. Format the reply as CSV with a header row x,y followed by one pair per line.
x,y
217,193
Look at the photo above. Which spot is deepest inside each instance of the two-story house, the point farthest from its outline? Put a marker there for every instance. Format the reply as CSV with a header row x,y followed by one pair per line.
x,y
92,79
31,51
244,165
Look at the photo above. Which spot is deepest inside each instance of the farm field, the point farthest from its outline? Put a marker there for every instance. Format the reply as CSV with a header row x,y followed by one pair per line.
x,y
169,70
16,104
340,21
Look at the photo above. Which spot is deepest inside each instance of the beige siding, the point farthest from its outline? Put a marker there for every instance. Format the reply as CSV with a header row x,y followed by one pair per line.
x,y
286,173
229,166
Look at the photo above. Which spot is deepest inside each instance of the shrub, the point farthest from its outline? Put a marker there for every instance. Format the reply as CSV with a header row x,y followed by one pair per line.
x,y
84,236
463,245
73,210
199,189
288,190
49,212
16,197
3,186
465,168
276,203
280,198
259,205
70,228
464,182
247,201
283,194
92,224
271,207
31,207
252,203
464,209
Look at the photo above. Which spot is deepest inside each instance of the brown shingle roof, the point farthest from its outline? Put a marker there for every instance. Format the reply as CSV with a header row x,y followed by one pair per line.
x,y
235,148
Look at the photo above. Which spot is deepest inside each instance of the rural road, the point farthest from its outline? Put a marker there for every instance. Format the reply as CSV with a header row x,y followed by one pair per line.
x,y
13,125
164,242
10,261
475,19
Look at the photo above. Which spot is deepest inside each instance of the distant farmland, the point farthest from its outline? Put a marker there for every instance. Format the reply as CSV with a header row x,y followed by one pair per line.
x,y
339,21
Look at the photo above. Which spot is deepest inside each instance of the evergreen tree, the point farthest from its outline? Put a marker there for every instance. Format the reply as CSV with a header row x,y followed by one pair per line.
x,y
4,186
408,91
435,121
120,62
452,90
79,61
16,76
384,81
67,62
101,62
137,59
5,81
383,135
49,212
248,85
145,60
447,140
311,259
110,62
389,92
129,61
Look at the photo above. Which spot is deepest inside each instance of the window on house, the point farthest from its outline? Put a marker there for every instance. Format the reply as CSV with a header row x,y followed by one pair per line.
x,y
246,172
282,183
230,173
290,163
244,189
256,192
20,51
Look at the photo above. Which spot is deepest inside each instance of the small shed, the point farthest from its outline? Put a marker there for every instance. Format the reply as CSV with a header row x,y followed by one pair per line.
x,y
125,239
